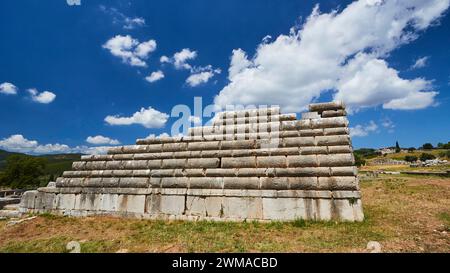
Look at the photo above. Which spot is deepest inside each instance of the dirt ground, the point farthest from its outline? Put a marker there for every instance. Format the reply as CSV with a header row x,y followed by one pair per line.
x,y
403,213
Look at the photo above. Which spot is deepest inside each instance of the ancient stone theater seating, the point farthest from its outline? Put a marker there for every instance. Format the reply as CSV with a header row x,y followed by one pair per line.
x,y
253,164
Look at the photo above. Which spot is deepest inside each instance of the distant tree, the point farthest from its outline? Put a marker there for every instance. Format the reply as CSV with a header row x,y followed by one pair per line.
x,y
440,145
359,160
427,146
426,156
23,171
397,147
411,158
446,146
411,149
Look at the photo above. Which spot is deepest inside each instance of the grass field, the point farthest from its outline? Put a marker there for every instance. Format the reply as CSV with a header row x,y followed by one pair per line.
x,y
403,213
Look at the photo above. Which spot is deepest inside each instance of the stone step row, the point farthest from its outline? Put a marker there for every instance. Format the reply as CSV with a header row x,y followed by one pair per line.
x,y
225,162
334,140
263,183
253,119
264,112
247,136
303,124
307,150
217,172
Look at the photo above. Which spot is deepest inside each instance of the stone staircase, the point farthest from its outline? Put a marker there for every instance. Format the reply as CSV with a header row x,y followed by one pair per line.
x,y
252,164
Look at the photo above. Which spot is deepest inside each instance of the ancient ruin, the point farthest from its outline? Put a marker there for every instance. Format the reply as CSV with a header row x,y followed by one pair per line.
x,y
250,164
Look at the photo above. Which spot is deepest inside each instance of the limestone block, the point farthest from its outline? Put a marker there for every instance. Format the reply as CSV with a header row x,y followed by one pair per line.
x,y
136,164
283,209
109,202
134,182
174,163
174,182
153,204
303,171
28,199
202,146
132,149
324,209
141,173
196,206
313,150
122,173
174,147
241,183
332,140
114,165
45,201
66,201
311,132
303,124
302,183
88,182
196,163
243,153
206,182
155,182
242,207
238,144
293,133
214,206
341,149
344,171
154,164
284,151
320,107
162,173
88,201
336,160
240,162
250,172
194,172
207,154
115,150
78,165
329,122
344,210
155,148
122,157
271,162
310,115
338,183
172,204
131,203
274,183
110,182
180,154
218,172
302,161
333,113
298,141
336,131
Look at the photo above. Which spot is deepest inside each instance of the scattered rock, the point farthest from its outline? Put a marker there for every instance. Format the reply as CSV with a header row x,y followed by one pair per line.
x,y
374,247
73,247
123,251
15,222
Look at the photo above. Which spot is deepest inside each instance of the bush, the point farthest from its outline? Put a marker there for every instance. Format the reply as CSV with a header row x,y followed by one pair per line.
x,y
445,154
23,171
359,160
426,156
427,146
411,158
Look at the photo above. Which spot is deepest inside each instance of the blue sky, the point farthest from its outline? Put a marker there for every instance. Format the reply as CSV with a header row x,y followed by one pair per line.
x,y
75,77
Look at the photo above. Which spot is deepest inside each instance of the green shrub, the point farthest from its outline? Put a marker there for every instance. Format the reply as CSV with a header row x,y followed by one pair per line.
x,y
411,158
427,146
426,156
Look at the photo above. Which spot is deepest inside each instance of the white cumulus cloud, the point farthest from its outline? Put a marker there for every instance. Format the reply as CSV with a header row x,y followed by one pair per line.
x,y
130,50
149,118
362,131
199,78
18,143
155,76
8,88
337,51
45,97
101,140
